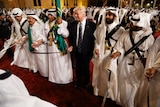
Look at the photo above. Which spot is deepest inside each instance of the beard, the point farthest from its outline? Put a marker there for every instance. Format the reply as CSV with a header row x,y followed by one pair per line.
x,y
109,21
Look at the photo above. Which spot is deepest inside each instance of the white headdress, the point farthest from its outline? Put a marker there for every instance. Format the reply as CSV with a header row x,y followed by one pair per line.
x,y
52,12
101,18
95,12
115,12
122,13
141,20
17,12
32,14
2,71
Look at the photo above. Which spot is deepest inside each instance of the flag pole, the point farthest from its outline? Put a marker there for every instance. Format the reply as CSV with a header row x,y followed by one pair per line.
x,y
58,8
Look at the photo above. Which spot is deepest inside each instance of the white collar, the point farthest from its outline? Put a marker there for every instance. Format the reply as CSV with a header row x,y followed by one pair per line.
x,y
35,25
83,21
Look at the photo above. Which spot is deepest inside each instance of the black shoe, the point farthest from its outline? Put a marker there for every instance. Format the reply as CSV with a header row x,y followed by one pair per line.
x,y
88,88
75,85
78,83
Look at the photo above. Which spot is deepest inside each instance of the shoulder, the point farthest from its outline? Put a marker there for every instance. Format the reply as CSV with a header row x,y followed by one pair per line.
x,y
73,22
100,28
65,23
24,21
126,31
120,30
90,22
46,22
72,25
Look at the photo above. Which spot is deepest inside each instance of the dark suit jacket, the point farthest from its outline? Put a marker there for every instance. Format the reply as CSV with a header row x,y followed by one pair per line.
x,y
88,37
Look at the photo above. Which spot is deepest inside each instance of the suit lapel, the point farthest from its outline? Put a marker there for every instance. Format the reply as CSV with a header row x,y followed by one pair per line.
x,y
86,28
75,29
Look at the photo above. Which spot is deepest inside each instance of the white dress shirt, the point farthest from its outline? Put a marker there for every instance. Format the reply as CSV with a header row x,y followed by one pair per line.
x,y
83,28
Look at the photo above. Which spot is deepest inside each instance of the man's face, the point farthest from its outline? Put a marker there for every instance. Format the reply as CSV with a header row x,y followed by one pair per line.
x,y
2,17
79,16
31,20
18,18
134,28
51,18
9,19
109,17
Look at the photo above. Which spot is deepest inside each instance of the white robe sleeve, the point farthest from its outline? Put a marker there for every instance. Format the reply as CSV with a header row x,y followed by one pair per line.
x,y
63,29
156,63
46,28
153,53
120,46
99,35
14,93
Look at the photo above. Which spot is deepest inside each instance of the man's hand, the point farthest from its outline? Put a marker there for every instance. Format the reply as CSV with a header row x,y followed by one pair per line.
x,y
59,20
149,73
70,49
37,43
97,52
115,55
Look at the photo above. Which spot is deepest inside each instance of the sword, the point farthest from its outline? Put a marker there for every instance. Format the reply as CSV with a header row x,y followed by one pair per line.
x,y
3,51
105,96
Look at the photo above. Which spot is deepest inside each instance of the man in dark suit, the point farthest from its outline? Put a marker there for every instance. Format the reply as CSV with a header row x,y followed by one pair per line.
x,y
5,31
81,41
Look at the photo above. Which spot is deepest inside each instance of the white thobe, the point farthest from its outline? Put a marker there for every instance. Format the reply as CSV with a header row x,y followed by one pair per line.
x,y
60,66
14,94
130,69
103,64
150,89
39,56
22,56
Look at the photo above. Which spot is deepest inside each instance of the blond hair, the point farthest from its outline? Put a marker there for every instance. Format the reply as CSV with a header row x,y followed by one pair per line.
x,y
81,8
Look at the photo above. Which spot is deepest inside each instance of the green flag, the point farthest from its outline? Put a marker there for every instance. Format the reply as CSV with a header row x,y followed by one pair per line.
x,y
30,40
59,38
58,7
